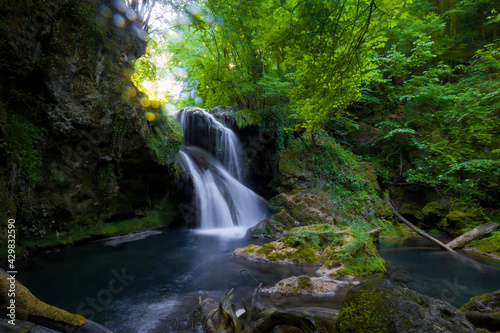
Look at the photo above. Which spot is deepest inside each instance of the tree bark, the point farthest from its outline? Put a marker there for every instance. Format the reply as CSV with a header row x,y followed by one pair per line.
x,y
413,227
470,235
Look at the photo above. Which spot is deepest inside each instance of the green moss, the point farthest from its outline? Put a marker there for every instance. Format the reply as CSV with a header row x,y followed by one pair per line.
x,y
267,248
323,243
304,282
367,318
27,305
250,248
488,245
359,257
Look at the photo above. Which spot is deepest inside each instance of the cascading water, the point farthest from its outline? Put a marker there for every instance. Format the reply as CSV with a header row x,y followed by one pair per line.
x,y
211,154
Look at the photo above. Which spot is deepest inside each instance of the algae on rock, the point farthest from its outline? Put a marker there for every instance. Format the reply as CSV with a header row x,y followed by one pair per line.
x,y
340,251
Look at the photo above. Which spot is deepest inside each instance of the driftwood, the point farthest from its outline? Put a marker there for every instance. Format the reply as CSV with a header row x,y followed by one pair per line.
x,y
470,235
255,319
413,227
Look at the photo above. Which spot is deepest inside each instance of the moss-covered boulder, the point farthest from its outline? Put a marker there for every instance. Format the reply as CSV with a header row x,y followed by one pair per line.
x,y
484,311
380,306
489,246
347,251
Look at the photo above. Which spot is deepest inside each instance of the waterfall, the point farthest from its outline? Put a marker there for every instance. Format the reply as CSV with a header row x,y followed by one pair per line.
x,y
212,155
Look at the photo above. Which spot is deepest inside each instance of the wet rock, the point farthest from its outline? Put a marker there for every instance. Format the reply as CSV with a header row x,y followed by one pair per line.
x,y
306,285
381,306
484,311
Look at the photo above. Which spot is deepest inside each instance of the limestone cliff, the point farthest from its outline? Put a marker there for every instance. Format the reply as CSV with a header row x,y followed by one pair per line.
x,y
76,148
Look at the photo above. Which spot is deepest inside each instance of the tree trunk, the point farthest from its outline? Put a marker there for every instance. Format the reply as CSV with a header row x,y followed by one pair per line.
x,y
414,228
470,235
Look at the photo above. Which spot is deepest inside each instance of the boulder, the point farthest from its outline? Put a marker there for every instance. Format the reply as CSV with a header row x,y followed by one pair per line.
x,y
306,285
342,252
378,305
484,311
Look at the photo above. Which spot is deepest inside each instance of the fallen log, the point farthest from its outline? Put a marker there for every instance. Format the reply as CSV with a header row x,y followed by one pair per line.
x,y
413,227
470,235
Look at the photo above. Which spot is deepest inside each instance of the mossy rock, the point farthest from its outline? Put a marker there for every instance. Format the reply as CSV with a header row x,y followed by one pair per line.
x,y
434,211
341,251
380,306
459,219
488,245
275,226
305,285
304,245
358,257
293,170
302,207
484,311
367,172
410,208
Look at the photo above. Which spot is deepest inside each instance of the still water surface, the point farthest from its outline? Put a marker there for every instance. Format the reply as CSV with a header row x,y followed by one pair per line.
x,y
152,285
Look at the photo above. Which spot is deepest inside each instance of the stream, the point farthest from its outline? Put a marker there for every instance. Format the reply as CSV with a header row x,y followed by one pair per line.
x,y
153,284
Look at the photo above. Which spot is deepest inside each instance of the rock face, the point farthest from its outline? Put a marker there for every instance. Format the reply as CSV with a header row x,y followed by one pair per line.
x,y
77,149
484,311
380,306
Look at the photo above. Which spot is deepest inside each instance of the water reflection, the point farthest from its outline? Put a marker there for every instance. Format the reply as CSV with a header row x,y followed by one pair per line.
x,y
451,277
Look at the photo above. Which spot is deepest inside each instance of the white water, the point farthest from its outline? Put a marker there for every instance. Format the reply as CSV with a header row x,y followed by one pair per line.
x,y
211,154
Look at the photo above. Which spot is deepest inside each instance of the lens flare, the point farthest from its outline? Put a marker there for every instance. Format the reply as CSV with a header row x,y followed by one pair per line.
x,y
170,108
150,116
105,11
155,104
131,92
145,102
118,20
142,34
120,5
130,14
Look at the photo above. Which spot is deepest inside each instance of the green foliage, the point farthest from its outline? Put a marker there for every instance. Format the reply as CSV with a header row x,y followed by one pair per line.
x,y
334,168
266,54
437,122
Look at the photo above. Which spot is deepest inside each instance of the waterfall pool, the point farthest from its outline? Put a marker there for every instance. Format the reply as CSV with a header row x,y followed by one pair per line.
x,y
149,285
153,284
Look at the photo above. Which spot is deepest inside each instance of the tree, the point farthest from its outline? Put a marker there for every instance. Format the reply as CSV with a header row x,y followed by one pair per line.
x,y
315,51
